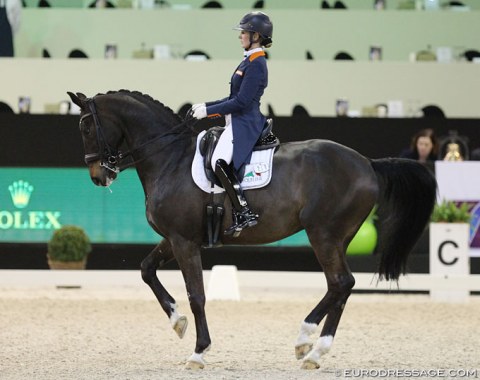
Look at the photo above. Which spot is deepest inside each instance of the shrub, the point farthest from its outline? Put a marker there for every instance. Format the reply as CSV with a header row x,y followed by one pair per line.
x,y
69,243
449,212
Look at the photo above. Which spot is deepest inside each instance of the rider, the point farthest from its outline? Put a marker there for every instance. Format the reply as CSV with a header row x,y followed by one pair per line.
x,y
243,120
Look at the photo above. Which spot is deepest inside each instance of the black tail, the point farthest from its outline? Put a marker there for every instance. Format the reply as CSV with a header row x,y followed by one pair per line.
x,y
406,200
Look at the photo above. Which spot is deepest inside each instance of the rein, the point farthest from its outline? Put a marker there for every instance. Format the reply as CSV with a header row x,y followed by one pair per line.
x,y
109,157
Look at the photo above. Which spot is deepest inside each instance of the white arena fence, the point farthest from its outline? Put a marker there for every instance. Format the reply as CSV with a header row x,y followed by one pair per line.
x,y
233,282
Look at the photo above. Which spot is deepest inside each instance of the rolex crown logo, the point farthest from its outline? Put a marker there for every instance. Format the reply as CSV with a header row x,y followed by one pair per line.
x,y
20,192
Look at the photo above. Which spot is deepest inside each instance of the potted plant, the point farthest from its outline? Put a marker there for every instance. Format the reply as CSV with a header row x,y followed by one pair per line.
x,y
449,248
68,248
449,212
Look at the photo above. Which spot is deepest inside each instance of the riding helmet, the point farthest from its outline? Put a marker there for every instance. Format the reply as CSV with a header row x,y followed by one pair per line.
x,y
257,22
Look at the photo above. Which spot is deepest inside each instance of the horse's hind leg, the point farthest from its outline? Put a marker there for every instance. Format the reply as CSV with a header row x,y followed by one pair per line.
x,y
340,282
160,255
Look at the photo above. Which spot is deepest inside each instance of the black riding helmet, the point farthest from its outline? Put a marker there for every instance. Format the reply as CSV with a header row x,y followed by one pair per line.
x,y
257,22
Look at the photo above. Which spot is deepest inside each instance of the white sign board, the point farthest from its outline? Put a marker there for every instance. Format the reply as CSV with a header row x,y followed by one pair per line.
x,y
460,181
449,256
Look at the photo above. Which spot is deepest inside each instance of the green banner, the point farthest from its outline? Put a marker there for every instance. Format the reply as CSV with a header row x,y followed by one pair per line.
x,y
34,202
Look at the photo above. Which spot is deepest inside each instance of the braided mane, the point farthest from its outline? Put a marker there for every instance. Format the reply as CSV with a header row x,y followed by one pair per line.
x,y
141,96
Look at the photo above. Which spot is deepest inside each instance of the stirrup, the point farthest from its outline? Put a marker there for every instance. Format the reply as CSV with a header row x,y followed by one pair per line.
x,y
241,220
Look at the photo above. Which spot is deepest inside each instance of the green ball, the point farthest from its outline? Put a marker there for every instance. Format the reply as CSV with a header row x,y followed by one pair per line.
x,y
364,241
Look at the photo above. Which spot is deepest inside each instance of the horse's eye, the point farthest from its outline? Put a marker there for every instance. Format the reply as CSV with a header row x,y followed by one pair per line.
x,y
84,128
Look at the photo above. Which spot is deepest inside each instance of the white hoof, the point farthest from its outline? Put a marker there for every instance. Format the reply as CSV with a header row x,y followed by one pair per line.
x,y
312,360
304,343
310,364
195,362
302,350
180,326
191,365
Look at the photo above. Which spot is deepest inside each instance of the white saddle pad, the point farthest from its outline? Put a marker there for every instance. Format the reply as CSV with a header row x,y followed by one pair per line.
x,y
258,172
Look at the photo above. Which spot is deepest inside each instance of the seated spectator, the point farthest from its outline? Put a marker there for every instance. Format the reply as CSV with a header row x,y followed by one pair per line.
x,y
423,148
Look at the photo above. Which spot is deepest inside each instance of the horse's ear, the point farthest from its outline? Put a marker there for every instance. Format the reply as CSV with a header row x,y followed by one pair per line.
x,y
78,99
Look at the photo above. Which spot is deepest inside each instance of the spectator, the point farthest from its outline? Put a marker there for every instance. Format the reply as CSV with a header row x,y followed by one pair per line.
x,y
423,148
10,11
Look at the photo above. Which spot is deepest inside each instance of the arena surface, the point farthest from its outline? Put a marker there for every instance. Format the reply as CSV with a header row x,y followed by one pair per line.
x,y
105,332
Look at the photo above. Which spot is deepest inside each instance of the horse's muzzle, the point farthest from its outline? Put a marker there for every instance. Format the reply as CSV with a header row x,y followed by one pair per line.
x,y
101,176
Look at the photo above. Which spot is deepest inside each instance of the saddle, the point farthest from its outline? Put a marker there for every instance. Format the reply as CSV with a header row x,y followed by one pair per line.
x,y
267,140
215,209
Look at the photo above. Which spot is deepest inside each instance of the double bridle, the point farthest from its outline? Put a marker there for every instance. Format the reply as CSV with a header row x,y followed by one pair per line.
x,y
109,157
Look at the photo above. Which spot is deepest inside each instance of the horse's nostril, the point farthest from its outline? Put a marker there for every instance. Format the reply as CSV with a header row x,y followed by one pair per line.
x,y
96,181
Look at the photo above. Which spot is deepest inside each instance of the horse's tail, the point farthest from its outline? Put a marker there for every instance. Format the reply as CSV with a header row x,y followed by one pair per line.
x,y
407,193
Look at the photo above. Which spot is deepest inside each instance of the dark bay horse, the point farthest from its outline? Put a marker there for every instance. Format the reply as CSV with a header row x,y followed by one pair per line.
x,y
318,185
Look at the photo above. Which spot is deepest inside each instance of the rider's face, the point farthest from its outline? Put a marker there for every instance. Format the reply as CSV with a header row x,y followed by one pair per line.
x,y
244,39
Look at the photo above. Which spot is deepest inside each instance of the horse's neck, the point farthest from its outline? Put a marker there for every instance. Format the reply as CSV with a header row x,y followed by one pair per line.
x,y
157,152
154,133
165,159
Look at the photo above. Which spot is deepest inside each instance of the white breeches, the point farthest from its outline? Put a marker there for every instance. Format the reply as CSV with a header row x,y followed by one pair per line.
x,y
224,149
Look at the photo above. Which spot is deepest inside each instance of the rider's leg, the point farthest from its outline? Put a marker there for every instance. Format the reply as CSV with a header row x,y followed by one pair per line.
x,y
221,158
242,215
224,148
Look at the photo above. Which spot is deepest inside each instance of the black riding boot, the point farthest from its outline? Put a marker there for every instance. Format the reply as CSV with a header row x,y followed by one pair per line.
x,y
243,217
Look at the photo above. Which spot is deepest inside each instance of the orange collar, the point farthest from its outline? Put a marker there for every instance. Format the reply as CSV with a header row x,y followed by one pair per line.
x,y
256,55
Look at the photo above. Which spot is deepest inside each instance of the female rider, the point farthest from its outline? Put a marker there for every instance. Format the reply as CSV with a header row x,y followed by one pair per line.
x,y
243,120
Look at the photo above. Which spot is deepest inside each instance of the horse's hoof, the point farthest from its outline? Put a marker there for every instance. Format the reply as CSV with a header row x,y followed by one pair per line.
x,y
194,365
180,326
302,350
195,361
310,364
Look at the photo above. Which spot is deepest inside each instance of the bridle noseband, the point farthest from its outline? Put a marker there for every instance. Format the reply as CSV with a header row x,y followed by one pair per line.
x,y
110,157
106,154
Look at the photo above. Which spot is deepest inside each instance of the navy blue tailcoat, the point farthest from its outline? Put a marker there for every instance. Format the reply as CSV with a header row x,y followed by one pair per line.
x,y
246,88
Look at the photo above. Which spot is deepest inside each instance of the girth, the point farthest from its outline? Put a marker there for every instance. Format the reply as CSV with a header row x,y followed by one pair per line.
x,y
209,142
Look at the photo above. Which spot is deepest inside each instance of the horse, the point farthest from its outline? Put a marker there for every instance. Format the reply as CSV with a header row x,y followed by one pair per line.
x,y
319,186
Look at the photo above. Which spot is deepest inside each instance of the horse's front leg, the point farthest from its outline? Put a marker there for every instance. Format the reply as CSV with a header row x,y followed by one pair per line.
x,y
161,255
188,257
